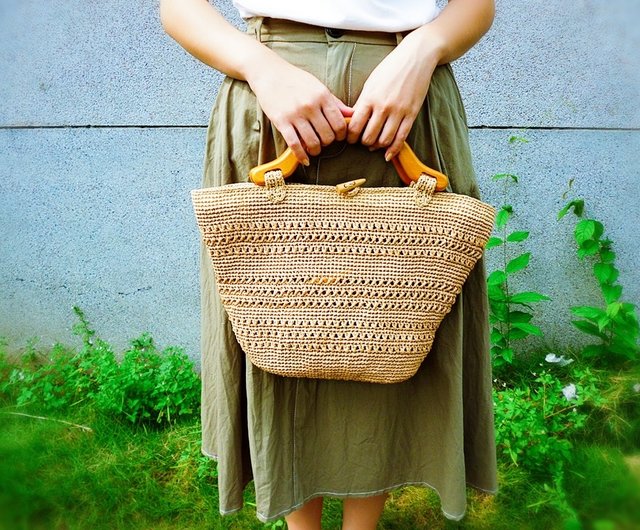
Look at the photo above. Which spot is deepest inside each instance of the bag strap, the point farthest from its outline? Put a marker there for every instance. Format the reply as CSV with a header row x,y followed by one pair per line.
x,y
407,164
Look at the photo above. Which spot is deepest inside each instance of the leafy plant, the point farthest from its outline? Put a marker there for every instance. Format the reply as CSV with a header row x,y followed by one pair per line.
x,y
203,467
5,371
615,324
510,313
147,384
535,421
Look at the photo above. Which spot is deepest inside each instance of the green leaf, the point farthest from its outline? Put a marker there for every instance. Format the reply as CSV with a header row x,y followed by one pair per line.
x,y
496,293
585,230
607,255
585,311
519,263
613,309
507,355
503,216
527,297
605,273
588,248
599,230
628,315
496,337
496,278
499,311
530,329
519,316
517,334
516,237
518,140
500,176
623,350
603,322
588,328
628,343
577,205
494,242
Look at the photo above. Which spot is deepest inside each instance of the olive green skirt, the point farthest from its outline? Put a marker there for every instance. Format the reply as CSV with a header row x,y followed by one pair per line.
x,y
302,438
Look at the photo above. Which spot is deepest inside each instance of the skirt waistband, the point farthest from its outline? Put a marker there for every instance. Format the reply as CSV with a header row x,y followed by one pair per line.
x,y
278,30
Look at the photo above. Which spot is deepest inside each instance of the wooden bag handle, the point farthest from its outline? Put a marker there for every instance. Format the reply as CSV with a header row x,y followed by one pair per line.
x,y
407,164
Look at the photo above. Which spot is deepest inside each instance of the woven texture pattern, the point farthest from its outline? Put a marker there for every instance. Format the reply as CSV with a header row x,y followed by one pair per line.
x,y
323,285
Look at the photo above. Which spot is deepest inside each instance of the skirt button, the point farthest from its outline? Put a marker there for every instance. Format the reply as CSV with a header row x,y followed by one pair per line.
x,y
334,33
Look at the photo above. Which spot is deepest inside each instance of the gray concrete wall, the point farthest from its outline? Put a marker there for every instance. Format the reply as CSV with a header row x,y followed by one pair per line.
x,y
103,120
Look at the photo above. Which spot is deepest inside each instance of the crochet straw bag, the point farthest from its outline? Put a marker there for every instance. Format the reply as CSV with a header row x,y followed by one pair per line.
x,y
340,282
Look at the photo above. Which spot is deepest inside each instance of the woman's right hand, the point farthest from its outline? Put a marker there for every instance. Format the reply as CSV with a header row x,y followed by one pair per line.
x,y
300,106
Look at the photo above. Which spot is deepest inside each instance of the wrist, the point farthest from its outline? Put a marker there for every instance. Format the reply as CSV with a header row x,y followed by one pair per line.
x,y
259,62
431,45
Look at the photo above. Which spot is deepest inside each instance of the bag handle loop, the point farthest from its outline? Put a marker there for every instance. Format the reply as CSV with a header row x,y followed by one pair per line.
x,y
407,164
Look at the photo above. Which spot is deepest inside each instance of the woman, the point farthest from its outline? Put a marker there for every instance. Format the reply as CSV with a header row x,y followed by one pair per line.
x,y
293,77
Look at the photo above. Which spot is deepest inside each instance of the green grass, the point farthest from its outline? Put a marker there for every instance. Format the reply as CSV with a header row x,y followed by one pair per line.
x,y
58,476
69,462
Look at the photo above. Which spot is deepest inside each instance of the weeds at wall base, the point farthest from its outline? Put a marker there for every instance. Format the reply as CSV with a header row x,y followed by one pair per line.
x,y
128,474
143,385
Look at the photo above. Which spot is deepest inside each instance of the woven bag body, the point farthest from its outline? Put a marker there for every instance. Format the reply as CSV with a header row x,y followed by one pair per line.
x,y
327,285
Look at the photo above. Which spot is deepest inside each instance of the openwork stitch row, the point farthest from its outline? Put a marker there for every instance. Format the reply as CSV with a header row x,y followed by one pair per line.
x,y
373,238
404,224
400,325
370,361
336,291
409,283
311,333
267,268
347,249
427,307
309,224
237,228
336,347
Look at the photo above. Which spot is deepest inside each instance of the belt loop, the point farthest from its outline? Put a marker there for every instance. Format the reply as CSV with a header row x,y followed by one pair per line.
x,y
257,27
399,37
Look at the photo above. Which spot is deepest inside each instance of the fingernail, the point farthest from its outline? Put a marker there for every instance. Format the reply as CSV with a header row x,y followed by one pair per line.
x,y
306,162
388,156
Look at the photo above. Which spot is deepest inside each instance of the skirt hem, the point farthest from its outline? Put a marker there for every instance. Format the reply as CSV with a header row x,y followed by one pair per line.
x,y
209,455
457,517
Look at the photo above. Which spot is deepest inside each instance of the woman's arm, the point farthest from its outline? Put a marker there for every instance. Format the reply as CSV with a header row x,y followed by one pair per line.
x,y
395,91
302,108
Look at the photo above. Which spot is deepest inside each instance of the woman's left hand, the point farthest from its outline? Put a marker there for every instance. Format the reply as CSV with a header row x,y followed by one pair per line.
x,y
393,94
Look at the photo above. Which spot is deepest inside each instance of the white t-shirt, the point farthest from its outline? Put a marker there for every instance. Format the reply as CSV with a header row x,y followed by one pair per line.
x,y
366,15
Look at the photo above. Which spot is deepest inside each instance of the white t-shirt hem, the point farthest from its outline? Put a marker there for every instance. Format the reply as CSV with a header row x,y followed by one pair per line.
x,y
361,15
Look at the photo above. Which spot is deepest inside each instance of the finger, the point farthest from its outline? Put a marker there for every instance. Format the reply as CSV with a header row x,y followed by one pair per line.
x,y
401,135
343,107
293,141
323,128
335,116
373,128
389,131
309,136
358,121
